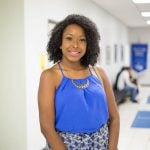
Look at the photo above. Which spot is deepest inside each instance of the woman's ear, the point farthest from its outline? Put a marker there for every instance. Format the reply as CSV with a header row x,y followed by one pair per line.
x,y
60,47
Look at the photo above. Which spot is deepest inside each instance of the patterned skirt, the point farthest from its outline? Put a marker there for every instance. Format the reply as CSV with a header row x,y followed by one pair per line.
x,y
85,141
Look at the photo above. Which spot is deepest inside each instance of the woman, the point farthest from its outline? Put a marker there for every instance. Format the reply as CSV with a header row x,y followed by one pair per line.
x,y
77,110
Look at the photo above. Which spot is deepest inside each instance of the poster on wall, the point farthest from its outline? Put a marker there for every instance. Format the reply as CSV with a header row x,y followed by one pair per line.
x,y
139,57
122,53
108,55
115,53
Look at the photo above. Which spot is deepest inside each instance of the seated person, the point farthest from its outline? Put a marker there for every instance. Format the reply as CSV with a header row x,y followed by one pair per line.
x,y
126,84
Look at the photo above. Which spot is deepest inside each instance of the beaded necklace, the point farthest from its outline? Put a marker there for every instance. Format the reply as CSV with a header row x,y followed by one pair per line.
x,y
81,86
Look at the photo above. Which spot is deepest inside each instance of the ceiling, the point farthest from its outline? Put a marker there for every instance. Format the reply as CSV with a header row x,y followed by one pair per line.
x,y
126,11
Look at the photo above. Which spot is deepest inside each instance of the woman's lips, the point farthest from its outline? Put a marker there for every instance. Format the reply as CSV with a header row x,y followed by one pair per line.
x,y
74,53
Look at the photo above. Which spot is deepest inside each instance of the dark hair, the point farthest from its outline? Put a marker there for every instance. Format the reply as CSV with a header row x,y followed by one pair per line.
x,y
92,38
125,68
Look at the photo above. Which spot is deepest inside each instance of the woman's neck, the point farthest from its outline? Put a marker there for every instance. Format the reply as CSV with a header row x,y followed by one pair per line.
x,y
72,66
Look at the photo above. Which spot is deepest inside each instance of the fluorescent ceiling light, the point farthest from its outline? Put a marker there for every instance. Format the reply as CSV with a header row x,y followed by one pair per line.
x,y
148,22
141,1
145,14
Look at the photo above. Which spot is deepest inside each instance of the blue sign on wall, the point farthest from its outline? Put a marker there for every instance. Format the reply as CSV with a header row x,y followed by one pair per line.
x,y
139,57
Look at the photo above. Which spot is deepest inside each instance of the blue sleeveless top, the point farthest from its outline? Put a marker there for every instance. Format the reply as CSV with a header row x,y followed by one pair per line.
x,y
80,110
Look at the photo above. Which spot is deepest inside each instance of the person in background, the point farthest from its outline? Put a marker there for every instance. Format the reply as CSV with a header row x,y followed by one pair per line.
x,y
77,110
125,83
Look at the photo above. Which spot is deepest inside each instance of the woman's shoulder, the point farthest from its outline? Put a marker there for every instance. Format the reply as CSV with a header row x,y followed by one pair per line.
x,y
50,71
51,74
101,70
102,73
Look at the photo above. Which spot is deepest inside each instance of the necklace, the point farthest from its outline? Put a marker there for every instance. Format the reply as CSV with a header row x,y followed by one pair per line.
x,y
81,86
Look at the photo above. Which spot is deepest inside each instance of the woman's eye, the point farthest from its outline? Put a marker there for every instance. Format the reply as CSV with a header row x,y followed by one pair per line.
x,y
69,38
83,40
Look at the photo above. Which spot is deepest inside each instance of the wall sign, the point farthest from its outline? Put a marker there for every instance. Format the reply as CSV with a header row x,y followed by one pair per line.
x,y
139,57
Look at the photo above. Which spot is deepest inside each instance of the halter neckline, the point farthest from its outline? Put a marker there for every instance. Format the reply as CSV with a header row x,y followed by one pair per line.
x,y
59,65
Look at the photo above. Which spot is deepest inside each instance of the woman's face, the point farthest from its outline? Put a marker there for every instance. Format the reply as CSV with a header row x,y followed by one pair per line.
x,y
73,43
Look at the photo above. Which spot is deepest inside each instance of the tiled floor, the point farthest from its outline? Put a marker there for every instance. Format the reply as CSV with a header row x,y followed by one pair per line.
x,y
134,138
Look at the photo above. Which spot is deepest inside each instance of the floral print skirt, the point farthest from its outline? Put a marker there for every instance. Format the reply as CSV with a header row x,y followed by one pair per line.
x,y
85,141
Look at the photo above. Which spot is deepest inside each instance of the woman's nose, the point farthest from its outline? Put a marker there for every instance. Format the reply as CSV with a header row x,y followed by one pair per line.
x,y
75,43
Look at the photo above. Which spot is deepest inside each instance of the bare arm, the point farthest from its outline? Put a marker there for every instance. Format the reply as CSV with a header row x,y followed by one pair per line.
x,y
47,110
114,123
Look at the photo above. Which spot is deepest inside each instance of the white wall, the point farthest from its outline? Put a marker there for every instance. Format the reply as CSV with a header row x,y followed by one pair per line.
x,y
142,35
12,76
37,14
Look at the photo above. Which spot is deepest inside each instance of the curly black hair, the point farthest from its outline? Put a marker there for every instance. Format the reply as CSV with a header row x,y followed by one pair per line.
x,y
92,38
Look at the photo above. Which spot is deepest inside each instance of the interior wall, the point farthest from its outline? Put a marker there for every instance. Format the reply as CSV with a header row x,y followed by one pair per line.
x,y
12,76
142,35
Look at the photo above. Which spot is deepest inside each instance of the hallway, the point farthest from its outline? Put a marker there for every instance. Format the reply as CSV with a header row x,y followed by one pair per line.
x,y
134,138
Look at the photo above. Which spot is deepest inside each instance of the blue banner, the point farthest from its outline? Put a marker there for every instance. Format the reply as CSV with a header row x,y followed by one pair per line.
x,y
139,57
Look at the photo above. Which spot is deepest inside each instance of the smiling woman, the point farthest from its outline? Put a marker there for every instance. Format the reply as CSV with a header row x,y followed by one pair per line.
x,y
76,109
73,43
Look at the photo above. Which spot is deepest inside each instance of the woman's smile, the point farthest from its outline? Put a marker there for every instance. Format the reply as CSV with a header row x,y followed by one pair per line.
x,y
73,43
74,53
